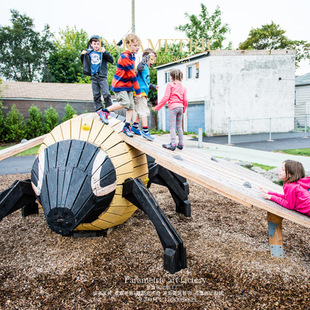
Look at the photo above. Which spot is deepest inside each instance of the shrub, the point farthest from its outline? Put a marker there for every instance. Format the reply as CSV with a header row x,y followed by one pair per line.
x,y
51,119
69,112
14,126
34,123
1,122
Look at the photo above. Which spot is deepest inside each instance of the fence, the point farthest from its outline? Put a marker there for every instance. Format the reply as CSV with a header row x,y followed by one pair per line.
x,y
300,124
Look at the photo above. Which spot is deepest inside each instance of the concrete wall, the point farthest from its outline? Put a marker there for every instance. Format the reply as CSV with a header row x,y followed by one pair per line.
x,y
248,87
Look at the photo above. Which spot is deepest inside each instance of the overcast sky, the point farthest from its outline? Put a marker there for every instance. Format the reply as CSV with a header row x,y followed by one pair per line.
x,y
157,19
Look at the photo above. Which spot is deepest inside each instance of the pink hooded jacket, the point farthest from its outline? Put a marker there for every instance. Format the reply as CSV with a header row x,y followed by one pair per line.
x,y
296,196
176,96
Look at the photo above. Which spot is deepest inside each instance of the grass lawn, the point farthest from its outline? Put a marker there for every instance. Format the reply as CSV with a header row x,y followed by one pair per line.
x,y
32,151
300,152
265,167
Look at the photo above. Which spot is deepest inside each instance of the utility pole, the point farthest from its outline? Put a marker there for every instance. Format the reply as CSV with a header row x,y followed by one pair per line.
x,y
133,25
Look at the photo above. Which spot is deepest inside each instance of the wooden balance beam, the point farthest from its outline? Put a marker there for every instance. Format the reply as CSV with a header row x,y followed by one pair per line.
x,y
228,179
18,148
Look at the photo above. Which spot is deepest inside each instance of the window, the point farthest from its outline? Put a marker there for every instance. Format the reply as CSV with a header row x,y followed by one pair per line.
x,y
167,77
190,72
193,71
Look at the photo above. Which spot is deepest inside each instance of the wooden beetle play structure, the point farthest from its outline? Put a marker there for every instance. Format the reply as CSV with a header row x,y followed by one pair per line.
x,y
87,180
89,177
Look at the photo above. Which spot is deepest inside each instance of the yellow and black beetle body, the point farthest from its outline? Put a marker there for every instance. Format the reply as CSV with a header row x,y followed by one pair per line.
x,y
87,179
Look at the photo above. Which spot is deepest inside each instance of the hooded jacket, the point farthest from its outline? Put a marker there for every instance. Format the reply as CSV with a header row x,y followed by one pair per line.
x,y
175,95
296,196
105,58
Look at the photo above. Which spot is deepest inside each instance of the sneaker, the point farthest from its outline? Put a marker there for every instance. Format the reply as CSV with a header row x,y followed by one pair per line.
x,y
136,130
127,131
169,146
147,135
103,116
180,146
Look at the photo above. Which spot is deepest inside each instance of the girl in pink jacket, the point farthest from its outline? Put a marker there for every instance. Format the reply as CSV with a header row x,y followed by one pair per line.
x,y
296,188
176,97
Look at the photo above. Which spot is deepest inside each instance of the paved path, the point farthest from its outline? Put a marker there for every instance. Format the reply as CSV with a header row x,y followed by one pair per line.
x,y
243,153
16,165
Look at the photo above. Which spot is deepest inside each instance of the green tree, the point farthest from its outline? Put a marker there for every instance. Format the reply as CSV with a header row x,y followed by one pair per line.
x,y
69,112
34,123
1,118
205,27
51,119
153,79
64,64
22,49
112,67
170,53
271,36
14,125
1,122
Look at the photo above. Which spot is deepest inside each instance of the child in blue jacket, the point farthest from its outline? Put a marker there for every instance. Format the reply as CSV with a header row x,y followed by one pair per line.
x,y
141,108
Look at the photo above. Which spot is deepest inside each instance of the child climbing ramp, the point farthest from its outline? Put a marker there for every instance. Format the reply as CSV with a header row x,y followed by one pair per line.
x,y
124,82
296,188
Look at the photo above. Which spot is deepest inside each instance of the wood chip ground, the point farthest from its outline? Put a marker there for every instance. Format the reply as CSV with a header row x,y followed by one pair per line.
x,y
229,264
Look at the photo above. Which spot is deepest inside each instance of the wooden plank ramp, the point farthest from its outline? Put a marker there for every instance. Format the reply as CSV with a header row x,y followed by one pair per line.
x,y
225,178
18,148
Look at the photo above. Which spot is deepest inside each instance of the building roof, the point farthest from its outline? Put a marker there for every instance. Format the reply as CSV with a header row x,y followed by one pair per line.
x,y
227,53
303,80
47,91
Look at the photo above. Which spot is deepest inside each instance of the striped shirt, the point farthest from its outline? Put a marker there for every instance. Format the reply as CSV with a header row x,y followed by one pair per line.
x,y
125,76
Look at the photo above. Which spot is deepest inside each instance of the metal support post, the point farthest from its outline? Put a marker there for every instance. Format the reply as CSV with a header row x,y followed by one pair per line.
x,y
200,137
229,130
270,130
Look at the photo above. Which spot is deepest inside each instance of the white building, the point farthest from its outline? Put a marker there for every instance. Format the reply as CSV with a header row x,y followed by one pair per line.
x,y
249,87
302,100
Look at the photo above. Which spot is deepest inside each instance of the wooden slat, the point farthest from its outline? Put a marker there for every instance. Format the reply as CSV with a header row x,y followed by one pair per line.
x,y
119,149
111,141
209,176
75,128
94,131
16,149
233,171
124,169
120,160
65,129
104,133
116,124
57,134
86,126
49,140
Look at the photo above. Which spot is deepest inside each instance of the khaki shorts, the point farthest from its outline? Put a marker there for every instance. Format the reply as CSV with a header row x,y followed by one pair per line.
x,y
141,107
125,99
